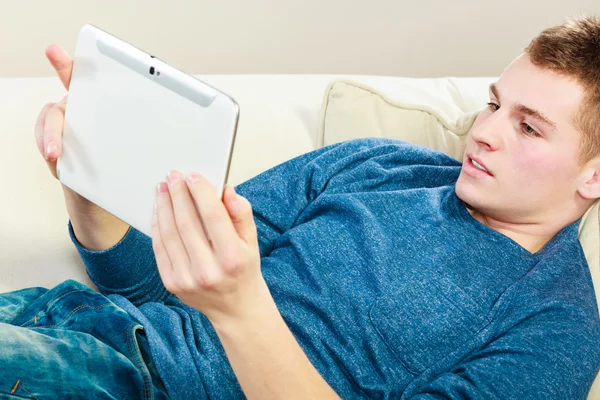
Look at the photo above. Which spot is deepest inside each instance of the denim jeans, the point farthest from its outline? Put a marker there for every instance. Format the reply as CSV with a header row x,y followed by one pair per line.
x,y
71,342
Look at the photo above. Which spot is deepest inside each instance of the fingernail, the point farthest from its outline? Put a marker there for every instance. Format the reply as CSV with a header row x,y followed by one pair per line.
x,y
173,177
51,148
162,187
193,177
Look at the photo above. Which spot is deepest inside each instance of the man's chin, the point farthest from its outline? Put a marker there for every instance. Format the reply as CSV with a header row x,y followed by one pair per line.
x,y
468,192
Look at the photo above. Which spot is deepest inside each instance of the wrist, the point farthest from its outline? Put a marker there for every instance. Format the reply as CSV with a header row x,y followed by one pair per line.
x,y
95,228
259,313
78,204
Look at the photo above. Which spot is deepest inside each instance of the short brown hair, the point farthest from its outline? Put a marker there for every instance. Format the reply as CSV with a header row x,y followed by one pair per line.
x,y
573,49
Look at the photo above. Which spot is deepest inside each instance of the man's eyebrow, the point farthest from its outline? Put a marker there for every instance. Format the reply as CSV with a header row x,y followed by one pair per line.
x,y
525,110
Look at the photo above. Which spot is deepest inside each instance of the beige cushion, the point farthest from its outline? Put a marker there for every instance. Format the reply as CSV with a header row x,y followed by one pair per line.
x,y
412,113
353,110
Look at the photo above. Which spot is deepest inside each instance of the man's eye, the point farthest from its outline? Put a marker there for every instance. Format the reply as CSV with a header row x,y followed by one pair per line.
x,y
493,106
528,130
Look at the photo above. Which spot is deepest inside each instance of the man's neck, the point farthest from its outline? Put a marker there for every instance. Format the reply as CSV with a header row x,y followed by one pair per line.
x,y
532,237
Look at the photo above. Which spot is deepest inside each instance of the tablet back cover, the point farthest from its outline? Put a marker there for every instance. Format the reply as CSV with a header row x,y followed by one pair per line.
x,y
130,119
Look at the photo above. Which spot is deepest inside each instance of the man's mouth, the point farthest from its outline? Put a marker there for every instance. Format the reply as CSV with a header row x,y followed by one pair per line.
x,y
477,167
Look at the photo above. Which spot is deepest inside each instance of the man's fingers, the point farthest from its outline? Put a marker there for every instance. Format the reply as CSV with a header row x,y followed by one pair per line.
x,y
53,129
218,225
39,128
169,235
62,63
187,218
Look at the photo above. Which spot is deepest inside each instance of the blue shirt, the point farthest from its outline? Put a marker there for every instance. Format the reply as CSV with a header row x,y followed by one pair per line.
x,y
389,285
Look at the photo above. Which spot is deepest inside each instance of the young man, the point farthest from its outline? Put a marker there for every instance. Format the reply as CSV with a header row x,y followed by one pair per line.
x,y
366,269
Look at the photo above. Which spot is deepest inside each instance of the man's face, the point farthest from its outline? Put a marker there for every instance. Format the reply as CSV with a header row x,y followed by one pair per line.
x,y
528,145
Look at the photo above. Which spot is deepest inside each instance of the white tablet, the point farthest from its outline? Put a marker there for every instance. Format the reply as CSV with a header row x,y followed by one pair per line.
x,y
130,119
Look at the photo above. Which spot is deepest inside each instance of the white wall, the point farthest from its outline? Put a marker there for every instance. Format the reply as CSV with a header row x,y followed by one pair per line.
x,y
419,38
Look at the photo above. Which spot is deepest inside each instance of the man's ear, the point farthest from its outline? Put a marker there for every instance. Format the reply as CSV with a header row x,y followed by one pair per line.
x,y
589,186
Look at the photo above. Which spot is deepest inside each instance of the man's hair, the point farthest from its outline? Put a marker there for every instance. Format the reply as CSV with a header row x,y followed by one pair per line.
x,y
573,50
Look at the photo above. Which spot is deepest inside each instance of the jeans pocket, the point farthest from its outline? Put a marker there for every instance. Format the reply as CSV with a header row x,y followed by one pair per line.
x,y
420,325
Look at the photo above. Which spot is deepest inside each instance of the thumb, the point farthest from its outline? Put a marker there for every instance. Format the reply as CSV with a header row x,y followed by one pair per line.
x,y
240,212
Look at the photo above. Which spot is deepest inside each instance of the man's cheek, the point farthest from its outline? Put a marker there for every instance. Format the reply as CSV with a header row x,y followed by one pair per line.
x,y
542,171
534,170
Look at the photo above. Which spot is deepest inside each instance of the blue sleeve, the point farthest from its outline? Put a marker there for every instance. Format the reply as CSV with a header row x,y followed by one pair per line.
x,y
127,269
551,355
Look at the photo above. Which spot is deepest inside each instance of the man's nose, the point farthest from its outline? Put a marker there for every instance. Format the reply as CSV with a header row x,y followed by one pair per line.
x,y
488,133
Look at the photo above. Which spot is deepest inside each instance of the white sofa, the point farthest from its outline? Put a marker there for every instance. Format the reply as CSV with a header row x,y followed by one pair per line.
x,y
279,119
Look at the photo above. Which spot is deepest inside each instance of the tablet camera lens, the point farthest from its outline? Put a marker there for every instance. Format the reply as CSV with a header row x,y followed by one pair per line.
x,y
151,70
